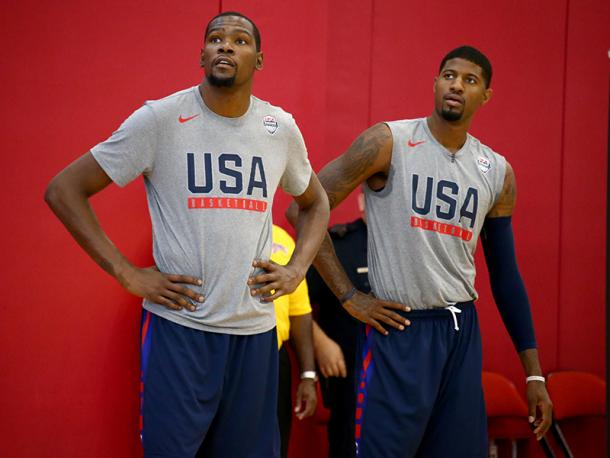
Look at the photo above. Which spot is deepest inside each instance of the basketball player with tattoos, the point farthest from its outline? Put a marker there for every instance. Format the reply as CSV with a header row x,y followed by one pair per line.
x,y
431,189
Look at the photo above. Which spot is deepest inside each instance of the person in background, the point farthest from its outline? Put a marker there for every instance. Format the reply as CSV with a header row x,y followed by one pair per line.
x,y
294,323
335,334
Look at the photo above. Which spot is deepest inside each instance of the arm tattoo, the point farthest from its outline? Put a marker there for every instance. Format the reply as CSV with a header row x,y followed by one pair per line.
x,y
509,191
506,202
357,164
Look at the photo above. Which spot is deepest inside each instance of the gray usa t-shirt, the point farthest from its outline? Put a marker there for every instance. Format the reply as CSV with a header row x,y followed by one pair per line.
x,y
424,225
210,182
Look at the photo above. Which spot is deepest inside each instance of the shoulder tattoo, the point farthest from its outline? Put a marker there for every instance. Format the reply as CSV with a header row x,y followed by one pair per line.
x,y
506,201
361,160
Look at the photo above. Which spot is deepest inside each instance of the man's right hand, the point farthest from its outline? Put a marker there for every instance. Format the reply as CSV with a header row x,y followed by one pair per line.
x,y
162,288
373,311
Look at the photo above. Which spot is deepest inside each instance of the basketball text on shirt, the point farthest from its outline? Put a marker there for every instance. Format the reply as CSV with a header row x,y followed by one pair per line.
x,y
220,179
447,195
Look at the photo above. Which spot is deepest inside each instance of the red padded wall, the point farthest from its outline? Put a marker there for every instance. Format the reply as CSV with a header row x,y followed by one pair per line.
x,y
581,322
581,337
72,71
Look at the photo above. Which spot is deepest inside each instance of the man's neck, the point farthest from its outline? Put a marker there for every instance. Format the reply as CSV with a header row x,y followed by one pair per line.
x,y
230,102
452,135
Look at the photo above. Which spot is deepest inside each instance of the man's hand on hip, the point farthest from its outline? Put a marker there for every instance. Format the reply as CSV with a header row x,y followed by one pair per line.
x,y
162,288
373,311
275,282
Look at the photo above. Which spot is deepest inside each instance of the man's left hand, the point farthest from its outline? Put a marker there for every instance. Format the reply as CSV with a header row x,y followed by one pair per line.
x,y
306,399
538,400
275,282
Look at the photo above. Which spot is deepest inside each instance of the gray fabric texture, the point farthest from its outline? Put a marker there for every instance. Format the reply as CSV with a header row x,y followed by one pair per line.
x,y
210,183
421,246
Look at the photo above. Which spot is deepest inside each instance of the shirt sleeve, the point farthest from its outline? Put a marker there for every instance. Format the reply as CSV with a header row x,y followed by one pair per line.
x,y
299,301
131,149
296,176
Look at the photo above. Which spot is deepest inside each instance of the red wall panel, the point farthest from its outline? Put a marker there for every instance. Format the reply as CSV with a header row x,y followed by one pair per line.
x,y
72,71
581,330
348,100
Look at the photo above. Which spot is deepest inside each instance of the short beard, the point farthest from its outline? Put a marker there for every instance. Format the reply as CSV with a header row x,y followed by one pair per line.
x,y
220,82
451,116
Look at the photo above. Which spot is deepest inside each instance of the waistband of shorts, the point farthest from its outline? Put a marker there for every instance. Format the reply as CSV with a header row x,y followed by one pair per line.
x,y
437,312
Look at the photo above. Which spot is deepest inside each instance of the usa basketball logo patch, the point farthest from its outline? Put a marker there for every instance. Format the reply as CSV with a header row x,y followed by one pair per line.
x,y
484,164
270,124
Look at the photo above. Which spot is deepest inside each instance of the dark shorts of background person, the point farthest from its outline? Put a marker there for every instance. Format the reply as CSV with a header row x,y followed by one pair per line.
x,y
338,393
284,400
339,396
207,394
419,390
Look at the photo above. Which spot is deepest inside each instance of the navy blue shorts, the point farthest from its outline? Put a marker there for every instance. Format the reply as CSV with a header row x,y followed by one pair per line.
x,y
207,394
419,390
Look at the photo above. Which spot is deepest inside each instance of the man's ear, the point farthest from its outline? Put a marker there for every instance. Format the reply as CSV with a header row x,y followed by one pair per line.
x,y
259,61
487,95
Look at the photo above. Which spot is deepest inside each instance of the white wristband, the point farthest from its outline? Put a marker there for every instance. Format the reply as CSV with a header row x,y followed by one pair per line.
x,y
309,375
535,378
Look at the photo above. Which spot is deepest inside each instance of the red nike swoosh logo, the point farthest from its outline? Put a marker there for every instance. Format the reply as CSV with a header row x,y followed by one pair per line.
x,y
411,144
183,120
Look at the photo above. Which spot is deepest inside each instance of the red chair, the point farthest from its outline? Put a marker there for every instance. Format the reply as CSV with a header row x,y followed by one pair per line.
x,y
506,411
575,394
